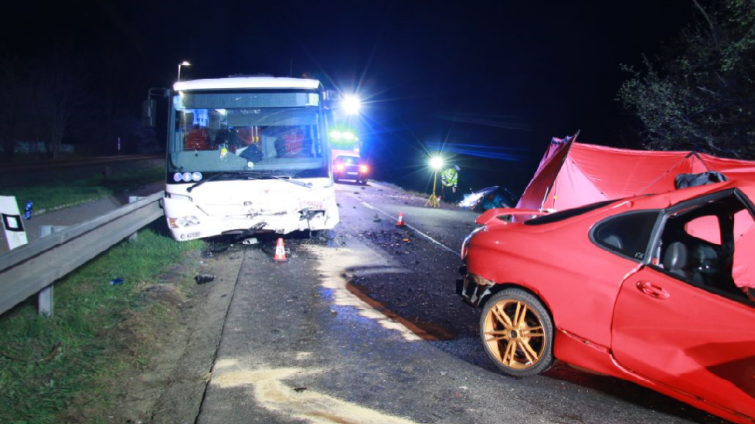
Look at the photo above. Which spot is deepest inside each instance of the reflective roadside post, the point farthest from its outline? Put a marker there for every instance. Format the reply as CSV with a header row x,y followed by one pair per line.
x,y
435,163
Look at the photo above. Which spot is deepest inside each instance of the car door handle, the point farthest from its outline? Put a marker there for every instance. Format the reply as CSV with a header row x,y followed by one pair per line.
x,y
652,290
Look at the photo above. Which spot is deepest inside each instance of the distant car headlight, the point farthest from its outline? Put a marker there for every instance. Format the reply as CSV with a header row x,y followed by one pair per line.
x,y
364,169
184,221
339,167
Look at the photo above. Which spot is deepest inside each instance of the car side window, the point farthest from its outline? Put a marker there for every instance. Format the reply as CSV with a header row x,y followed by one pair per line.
x,y
707,243
627,234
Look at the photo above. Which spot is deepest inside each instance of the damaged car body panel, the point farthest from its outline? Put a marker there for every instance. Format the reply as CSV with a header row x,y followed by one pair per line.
x,y
651,289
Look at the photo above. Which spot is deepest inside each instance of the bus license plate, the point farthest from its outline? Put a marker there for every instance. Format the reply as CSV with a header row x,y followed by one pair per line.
x,y
311,204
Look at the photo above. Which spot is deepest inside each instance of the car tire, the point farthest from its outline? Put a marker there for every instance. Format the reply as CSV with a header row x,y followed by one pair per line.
x,y
519,341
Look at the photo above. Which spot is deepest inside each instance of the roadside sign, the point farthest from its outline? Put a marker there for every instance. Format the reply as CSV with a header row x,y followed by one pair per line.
x,y
13,222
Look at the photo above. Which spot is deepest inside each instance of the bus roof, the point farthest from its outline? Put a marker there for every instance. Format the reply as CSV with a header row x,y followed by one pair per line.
x,y
247,82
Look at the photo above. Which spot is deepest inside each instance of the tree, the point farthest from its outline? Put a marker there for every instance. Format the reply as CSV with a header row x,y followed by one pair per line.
x,y
14,105
700,93
62,93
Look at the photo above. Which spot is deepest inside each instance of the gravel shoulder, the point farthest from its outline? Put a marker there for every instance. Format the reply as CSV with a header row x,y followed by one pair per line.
x,y
170,386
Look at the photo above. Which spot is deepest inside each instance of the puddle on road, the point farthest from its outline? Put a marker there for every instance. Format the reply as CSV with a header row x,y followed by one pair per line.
x,y
424,330
273,394
332,263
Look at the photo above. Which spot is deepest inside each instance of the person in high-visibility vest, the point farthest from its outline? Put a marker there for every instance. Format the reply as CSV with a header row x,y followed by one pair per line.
x,y
449,178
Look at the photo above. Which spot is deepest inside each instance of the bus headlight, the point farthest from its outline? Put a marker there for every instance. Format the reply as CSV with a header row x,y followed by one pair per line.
x,y
184,221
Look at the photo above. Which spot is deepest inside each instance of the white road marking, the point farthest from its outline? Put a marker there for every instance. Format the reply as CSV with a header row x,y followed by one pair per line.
x,y
367,205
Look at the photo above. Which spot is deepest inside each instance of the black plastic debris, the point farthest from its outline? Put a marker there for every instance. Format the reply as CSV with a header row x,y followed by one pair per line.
x,y
204,278
695,180
218,247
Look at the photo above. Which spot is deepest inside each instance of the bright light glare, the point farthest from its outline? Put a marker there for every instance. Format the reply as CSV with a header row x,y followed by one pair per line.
x,y
351,104
436,162
337,135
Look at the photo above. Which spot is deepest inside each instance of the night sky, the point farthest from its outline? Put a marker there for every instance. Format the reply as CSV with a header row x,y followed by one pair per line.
x,y
496,78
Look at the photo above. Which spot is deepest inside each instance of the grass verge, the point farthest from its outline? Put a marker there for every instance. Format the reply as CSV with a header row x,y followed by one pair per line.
x,y
55,188
59,369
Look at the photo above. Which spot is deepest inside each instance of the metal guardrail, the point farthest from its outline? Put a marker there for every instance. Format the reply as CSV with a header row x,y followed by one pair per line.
x,y
30,268
101,160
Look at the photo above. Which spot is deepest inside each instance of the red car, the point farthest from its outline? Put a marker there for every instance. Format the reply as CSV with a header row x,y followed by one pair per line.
x,y
654,289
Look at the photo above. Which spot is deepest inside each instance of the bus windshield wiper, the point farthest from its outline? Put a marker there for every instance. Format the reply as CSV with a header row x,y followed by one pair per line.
x,y
292,181
249,175
245,175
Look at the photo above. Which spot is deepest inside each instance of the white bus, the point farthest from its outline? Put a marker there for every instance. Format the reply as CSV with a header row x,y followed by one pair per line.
x,y
248,155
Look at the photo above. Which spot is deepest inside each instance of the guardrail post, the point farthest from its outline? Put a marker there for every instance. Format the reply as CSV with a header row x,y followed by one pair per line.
x,y
45,296
132,199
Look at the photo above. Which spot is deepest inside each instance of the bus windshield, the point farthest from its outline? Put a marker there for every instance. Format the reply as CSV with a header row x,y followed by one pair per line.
x,y
279,133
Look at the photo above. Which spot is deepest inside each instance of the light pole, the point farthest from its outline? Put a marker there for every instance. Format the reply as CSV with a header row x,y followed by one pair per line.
x,y
435,163
184,63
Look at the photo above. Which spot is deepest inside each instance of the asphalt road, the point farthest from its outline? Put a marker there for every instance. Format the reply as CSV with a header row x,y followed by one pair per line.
x,y
363,326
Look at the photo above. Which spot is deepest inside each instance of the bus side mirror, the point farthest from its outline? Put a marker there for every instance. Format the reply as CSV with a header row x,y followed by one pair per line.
x,y
149,109
332,95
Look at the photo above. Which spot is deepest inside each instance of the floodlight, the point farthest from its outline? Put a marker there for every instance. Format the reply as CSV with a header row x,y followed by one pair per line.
x,y
351,104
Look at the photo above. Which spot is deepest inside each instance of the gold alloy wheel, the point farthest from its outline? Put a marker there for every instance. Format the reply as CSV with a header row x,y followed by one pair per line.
x,y
514,335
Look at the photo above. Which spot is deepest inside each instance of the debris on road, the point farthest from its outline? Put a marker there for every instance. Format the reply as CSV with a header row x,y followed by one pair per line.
x,y
204,278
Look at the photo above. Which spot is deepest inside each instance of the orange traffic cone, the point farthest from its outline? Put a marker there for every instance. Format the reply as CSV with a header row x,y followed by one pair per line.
x,y
400,222
280,251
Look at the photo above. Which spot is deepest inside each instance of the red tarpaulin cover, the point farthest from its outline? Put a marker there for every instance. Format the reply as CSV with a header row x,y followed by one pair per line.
x,y
573,174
